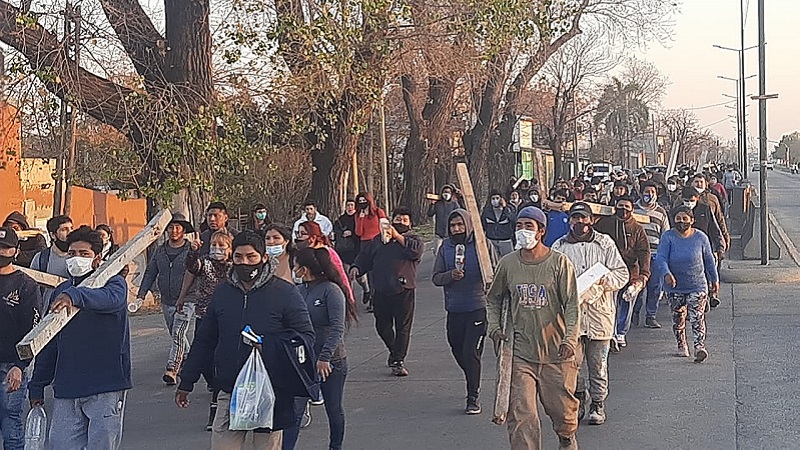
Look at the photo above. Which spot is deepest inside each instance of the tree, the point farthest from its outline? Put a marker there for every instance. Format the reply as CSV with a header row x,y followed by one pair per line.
x,y
682,127
788,148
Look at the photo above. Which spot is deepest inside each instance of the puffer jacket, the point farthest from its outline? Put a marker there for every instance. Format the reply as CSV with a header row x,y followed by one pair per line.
x,y
597,313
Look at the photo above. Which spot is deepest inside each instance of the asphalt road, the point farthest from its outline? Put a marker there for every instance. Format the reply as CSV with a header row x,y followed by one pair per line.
x,y
744,397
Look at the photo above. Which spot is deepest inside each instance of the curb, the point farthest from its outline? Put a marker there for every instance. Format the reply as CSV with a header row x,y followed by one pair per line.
x,y
785,240
764,274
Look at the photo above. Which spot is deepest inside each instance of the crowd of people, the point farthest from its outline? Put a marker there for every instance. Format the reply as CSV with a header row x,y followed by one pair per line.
x,y
294,287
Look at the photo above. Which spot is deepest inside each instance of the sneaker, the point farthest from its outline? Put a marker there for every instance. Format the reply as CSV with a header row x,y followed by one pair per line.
x,y
568,443
613,346
170,378
473,406
597,414
714,301
366,298
306,420
318,402
650,322
621,342
212,412
399,370
683,352
700,355
369,308
581,395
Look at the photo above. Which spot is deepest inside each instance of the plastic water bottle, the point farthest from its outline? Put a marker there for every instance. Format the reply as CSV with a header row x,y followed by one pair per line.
x,y
35,429
460,256
135,305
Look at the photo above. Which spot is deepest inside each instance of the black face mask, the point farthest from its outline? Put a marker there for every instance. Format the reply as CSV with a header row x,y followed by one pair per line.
x,y
682,227
248,272
580,230
401,228
623,213
6,260
298,244
61,245
363,206
459,238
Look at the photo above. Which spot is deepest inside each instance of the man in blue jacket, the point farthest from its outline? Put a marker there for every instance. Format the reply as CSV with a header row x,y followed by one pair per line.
x,y
465,301
393,261
274,309
89,361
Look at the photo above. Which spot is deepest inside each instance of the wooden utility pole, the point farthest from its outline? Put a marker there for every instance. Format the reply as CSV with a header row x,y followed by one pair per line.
x,y
73,16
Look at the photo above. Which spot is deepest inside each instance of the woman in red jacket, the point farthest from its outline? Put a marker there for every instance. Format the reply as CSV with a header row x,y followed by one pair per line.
x,y
368,225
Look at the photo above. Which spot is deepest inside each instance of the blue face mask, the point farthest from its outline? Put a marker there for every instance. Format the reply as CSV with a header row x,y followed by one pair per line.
x,y
648,199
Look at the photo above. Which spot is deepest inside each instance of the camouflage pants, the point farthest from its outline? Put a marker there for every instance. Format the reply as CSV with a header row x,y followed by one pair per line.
x,y
693,305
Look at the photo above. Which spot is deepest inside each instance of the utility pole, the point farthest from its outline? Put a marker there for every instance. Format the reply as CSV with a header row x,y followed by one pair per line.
x,y
73,15
762,135
743,121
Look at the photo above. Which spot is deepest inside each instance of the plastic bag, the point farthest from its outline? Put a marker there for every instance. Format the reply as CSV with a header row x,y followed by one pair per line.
x,y
252,399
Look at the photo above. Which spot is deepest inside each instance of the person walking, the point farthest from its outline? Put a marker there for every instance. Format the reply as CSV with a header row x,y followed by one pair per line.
x,y
279,250
31,240
166,268
19,313
557,219
331,313
498,224
259,219
368,226
440,210
585,247
634,247
275,310
203,275
543,293
361,217
310,235
53,259
217,219
89,361
686,259
458,271
393,259
310,214
659,223
109,246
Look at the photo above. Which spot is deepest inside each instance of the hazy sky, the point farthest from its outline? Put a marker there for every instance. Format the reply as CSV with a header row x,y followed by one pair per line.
x,y
692,64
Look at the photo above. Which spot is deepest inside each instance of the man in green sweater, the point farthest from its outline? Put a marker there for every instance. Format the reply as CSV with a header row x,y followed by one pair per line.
x,y
544,319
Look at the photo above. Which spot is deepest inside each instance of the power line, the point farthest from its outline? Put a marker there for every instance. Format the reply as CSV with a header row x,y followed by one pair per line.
x,y
715,123
710,106
746,12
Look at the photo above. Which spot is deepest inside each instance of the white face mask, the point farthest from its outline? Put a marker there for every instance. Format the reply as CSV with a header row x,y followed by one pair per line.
x,y
78,266
217,253
495,203
700,190
297,280
672,187
273,251
526,239
691,204
447,196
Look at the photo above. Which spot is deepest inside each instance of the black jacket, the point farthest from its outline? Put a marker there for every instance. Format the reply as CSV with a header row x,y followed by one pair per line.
x,y
275,310
501,229
393,266
28,247
346,247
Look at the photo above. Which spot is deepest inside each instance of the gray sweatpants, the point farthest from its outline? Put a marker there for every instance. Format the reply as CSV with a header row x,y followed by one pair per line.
x,y
93,422
595,354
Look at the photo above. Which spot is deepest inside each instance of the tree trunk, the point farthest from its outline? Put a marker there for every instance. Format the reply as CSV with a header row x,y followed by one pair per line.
x,y
331,159
503,162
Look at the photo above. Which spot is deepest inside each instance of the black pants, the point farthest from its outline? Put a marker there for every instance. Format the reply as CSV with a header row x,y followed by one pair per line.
x,y
394,315
466,333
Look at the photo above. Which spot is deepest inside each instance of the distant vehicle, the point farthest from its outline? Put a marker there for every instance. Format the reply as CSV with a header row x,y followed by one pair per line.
x,y
656,168
794,168
769,165
756,167
602,170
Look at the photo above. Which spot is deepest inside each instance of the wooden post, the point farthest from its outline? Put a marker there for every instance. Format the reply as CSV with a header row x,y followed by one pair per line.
x,y
44,278
482,247
51,324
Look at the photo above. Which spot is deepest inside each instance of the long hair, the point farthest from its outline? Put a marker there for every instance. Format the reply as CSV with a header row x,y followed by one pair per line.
x,y
287,236
315,231
318,262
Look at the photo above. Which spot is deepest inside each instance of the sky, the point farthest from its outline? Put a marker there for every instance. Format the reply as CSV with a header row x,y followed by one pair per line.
x,y
693,64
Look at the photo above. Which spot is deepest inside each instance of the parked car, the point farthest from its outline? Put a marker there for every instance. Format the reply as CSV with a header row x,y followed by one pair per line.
x,y
769,165
794,168
756,167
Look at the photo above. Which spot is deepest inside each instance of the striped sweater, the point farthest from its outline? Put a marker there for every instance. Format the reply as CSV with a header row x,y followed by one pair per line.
x,y
659,223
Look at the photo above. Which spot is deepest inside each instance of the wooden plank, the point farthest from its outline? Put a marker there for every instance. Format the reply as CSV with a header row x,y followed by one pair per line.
x,y
597,209
44,278
26,234
433,197
481,245
51,324
505,357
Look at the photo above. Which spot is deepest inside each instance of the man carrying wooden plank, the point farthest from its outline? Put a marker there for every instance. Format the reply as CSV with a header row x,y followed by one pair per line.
x,y
88,361
544,325
457,270
20,298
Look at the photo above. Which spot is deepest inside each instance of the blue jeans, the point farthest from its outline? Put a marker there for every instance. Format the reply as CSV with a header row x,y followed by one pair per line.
x,y
333,393
11,406
649,297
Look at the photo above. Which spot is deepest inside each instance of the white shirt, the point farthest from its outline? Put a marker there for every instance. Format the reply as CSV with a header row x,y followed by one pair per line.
x,y
322,221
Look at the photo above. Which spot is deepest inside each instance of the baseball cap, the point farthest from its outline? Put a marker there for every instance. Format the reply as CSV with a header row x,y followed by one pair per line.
x,y
581,209
532,212
8,238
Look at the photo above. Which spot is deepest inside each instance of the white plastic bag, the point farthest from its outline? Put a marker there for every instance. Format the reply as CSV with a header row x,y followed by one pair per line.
x,y
252,399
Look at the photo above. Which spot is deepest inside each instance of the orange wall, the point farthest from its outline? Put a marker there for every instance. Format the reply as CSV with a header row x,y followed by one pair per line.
x,y
125,217
11,196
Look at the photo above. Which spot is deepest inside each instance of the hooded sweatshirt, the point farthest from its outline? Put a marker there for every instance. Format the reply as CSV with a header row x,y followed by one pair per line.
x,y
28,247
632,244
442,209
369,225
466,294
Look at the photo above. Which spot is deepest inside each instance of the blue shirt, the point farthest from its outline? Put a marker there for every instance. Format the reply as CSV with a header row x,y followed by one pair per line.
x,y
689,259
557,226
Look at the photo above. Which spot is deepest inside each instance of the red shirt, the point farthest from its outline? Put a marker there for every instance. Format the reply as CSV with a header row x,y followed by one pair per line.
x,y
369,226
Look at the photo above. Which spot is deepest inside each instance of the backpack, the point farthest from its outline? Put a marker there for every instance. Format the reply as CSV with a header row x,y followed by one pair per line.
x,y
44,260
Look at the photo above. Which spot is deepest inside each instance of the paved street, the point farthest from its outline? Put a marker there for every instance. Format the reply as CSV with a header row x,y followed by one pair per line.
x,y
744,397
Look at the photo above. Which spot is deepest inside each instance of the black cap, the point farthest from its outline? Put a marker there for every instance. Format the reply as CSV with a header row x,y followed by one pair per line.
x,y
181,220
581,209
8,238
